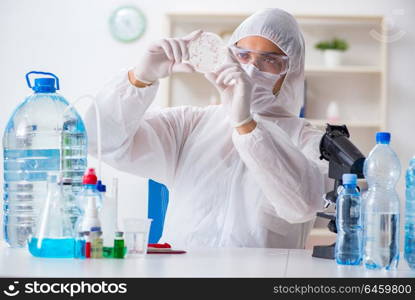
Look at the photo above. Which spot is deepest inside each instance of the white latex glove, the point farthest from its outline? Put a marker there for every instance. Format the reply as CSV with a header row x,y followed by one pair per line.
x,y
235,88
164,57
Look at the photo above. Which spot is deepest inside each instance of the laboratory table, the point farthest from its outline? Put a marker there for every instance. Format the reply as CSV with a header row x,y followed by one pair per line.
x,y
234,262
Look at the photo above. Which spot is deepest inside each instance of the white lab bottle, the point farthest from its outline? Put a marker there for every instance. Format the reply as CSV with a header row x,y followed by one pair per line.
x,y
90,218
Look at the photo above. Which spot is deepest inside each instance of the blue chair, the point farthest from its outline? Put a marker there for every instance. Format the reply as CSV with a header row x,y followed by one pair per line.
x,y
158,200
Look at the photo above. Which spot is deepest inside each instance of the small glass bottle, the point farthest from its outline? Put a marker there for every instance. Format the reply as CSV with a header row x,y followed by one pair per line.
x,y
87,244
119,245
96,242
80,245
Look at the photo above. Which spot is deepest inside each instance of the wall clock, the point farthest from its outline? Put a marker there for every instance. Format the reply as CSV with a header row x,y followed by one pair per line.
x,y
127,24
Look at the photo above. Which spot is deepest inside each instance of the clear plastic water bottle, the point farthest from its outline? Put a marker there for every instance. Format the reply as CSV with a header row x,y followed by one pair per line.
x,y
381,206
349,242
42,135
409,251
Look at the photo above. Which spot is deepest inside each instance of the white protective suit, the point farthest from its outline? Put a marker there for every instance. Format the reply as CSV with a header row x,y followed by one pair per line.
x,y
260,189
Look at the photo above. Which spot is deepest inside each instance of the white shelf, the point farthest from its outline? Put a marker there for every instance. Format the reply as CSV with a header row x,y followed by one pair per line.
x,y
340,20
322,19
343,69
364,124
322,232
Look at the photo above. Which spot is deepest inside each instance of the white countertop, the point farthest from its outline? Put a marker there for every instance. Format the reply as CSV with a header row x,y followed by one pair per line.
x,y
236,262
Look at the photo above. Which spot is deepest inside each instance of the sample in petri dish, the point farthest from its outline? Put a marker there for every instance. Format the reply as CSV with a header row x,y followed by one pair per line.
x,y
207,53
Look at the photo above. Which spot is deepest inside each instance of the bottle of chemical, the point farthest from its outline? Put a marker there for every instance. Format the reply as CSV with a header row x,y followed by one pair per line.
x,y
381,206
96,242
102,190
80,245
119,245
54,236
108,214
42,135
90,217
89,189
88,246
70,202
348,250
409,251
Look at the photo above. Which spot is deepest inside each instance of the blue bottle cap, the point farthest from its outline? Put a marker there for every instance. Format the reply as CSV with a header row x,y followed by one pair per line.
x,y
44,85
349,179
101,187
383,137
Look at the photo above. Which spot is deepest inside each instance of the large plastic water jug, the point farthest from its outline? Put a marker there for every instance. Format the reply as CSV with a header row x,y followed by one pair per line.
x,y
43,134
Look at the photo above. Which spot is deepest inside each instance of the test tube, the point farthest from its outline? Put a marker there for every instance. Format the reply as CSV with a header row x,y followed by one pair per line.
x,y
115,197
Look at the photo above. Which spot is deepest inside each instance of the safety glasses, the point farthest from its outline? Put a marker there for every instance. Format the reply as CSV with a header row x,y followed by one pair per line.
x,y
265,61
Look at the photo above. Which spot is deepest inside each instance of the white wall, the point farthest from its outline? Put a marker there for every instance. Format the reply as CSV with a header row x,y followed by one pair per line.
x,y
71,39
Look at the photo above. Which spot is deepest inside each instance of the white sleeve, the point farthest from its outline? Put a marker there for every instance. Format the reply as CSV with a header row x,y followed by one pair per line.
x,y
291,177
135,139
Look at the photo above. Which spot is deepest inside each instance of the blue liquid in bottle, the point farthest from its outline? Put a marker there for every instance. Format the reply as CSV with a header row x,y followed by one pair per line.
x,y
80,245
349,242
409,252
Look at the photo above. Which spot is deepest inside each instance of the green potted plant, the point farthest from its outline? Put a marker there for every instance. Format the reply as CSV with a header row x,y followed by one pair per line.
x,y
332,50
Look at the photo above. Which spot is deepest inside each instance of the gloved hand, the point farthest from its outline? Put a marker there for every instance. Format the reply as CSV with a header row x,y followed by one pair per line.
x,y
163,57
235,88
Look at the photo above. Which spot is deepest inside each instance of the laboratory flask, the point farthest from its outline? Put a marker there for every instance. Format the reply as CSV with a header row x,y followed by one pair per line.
x,y
54,235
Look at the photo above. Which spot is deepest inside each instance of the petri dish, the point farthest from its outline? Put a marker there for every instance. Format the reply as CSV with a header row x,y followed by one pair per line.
x,y
207,53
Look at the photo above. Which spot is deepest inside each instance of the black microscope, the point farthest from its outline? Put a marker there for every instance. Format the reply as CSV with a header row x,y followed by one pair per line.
x,y
343,157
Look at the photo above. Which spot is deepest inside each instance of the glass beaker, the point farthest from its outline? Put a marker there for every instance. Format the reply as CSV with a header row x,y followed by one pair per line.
x,y
136,236
54,234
